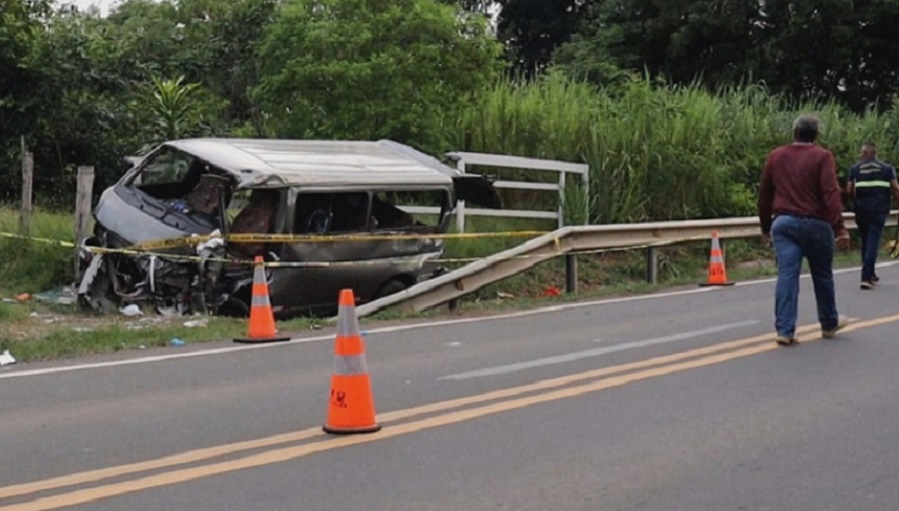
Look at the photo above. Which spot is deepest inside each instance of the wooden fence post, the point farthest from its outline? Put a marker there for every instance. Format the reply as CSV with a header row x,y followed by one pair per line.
x,y
83,203
27,185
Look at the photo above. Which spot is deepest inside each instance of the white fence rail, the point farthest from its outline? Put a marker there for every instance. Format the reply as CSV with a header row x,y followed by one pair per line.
x,y
566,242
465,161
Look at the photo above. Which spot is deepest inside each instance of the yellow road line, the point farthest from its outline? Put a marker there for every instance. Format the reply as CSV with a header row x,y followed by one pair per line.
x,y
204,454
294,452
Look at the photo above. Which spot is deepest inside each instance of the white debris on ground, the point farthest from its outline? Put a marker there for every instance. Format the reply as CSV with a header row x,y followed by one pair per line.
x,y
6,359
197,323
131,311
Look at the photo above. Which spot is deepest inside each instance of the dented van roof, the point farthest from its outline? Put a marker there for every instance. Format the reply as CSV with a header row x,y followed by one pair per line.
x,y
266,163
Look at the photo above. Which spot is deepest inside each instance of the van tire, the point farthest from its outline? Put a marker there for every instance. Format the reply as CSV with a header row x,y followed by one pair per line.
x,y
237,305
390,287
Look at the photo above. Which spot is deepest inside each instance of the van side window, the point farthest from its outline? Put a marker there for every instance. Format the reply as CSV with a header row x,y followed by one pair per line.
x,y
416,209
256,216
323,213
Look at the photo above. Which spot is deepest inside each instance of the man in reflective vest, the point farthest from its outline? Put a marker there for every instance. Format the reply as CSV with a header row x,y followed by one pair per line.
x,y
871,182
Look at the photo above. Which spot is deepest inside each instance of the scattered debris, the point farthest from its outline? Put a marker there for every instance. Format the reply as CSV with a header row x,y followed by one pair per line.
x,y
197,323
176,342
211,247
131,310
9,300
24,297
6,359
62,296
169,311
82,329
551,291
48,319
504,296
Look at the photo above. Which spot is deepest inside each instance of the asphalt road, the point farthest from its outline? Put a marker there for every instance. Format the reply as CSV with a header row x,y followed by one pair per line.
x,y
678,401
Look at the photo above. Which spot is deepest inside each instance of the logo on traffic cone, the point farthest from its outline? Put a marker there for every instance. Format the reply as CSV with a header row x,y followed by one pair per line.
x,y
717,272
352,407
262,319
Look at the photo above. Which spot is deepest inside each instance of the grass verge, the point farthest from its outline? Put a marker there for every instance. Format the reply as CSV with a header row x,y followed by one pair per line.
x,y
33,332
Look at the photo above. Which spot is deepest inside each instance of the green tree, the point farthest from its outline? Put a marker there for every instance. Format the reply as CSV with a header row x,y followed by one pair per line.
x,y
533,29
76,85
207,41
365,69
174,105
841,49
20,31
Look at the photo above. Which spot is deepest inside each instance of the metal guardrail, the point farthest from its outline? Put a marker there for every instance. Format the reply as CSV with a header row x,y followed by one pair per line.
x,y
566,241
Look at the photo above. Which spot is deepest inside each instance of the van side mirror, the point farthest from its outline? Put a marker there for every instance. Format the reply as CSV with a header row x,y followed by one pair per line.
x,y
129,162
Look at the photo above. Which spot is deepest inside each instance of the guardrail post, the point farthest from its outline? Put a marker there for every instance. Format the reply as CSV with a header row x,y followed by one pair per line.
x,y
652,265
571,274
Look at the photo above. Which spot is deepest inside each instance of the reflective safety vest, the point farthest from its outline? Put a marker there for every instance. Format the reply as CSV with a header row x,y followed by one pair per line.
x,y
873,181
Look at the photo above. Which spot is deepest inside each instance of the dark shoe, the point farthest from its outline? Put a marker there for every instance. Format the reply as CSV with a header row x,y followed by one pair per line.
x,y
841,324
867,284
784,340
875,279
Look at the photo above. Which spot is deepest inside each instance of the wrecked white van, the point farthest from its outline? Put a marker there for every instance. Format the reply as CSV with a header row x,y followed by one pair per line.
x,y
347,205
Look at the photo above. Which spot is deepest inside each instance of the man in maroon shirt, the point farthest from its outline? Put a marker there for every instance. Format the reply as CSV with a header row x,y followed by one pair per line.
x,y
801,212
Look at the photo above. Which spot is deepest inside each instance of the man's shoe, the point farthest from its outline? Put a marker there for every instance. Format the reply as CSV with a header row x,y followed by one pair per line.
x,y
784,340
875,279
841,324
867,284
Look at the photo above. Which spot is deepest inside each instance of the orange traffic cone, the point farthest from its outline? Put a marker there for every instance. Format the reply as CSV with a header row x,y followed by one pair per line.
x,y
262,319
717,272
352,406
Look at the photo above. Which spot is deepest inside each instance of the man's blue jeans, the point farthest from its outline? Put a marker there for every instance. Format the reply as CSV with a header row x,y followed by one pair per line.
x,y
870,230
794,238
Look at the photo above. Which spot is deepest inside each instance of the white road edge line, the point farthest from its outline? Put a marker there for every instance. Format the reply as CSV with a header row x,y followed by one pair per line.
x,y
14,373
596,352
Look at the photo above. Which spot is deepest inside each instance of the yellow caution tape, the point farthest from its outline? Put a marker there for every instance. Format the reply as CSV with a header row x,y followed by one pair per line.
x,y
231,261
187,241
150,249
62,243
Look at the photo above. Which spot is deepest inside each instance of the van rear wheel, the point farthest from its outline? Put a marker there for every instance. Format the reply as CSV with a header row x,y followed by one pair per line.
x,y
390,287
236,305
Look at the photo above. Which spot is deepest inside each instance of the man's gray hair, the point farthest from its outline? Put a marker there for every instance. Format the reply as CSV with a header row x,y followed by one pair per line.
x,y
807,122
806,127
